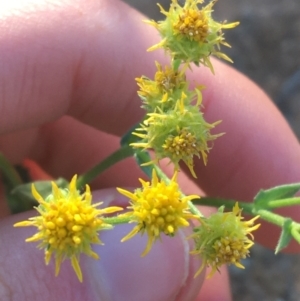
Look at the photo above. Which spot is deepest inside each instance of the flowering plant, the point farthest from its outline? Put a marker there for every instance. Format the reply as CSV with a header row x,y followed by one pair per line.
x,y
174,127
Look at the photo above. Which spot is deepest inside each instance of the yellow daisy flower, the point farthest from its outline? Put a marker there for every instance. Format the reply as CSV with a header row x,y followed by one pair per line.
x,y
67,225
223,238
158,207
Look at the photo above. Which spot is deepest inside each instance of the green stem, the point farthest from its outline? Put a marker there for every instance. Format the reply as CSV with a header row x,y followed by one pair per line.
x,y
117,220
119,155
176,64
9,173
248,208
228,204
12,180
284,202
295,233
270,217
194,209
143,157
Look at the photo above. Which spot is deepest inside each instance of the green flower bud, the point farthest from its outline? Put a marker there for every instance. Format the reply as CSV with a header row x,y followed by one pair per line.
x,y
223,238
190,34
164,91
179,134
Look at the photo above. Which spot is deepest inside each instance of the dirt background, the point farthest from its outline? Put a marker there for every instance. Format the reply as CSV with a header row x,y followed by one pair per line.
x,y
266,47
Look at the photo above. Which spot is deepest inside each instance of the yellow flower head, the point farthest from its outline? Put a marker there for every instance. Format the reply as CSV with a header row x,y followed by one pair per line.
x,y
190,34
158,207
164,90
67,225
178,134
224,238
183,145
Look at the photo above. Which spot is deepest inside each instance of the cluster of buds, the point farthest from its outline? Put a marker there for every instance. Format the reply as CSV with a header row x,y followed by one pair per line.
x,y
175,127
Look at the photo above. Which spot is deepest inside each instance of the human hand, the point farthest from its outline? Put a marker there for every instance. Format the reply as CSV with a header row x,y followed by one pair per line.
x,y
67,79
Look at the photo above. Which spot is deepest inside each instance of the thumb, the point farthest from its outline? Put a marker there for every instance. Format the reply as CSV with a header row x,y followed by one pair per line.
x,y
165,273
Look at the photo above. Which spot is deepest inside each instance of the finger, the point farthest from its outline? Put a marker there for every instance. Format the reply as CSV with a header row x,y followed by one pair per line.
x,y
71,57
63,154
120,274
216,288
61,64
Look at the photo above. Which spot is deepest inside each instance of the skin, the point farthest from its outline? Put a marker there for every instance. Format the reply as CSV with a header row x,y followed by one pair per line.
x,y
66,95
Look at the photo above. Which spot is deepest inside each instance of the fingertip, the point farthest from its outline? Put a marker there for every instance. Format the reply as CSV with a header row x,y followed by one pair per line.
x,y
165,273
216,288
23,272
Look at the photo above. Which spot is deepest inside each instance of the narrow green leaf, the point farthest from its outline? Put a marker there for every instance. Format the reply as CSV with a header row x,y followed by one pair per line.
x,y
44,188
275,193
10,176
227,203
128,138
21,198
176,64
285,236
221,209
142,157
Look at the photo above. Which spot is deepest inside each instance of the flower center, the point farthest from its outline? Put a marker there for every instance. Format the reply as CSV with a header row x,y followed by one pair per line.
x,y
192,24
181,146
67,225
161,209
230,250
167,80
